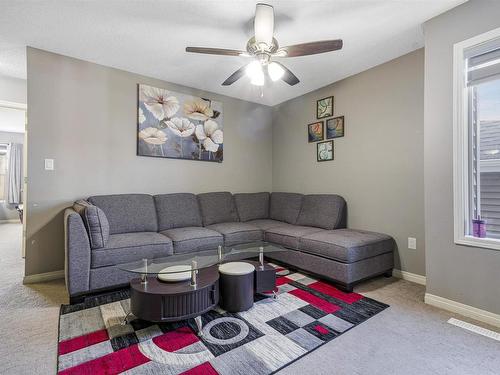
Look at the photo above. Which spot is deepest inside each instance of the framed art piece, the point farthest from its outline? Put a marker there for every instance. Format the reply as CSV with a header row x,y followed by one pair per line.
x,y
324,150
335,127
178,126
324,107
315,132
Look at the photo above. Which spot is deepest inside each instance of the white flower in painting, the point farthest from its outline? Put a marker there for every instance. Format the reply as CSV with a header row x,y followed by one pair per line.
x,y
210,135
198,109
159,102
181,126
153,136
142,118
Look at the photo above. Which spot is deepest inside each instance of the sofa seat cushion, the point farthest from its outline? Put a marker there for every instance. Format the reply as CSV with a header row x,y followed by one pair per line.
x,y
236,233
191,239
266,224
252,206
346,245
129,247
289,235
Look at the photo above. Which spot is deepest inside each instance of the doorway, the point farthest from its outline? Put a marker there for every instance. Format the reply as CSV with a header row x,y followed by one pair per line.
x,y
13,154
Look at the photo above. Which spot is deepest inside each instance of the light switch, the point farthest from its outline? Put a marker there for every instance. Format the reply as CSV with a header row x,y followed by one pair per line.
x,y
412,243
49,164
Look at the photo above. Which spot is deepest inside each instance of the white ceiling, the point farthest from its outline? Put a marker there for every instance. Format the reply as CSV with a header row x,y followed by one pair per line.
x,y
149,37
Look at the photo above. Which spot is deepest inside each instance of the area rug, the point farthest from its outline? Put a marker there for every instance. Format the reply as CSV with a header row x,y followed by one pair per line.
x,y
272,334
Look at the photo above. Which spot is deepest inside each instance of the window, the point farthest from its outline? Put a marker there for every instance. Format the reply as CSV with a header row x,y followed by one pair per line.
x,y
477,141
3,171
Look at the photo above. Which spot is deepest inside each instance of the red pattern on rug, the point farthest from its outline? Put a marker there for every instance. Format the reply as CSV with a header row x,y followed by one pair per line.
x,y
112,363
330,290
203,369
81,342
282,280
321,304
175,340
321,329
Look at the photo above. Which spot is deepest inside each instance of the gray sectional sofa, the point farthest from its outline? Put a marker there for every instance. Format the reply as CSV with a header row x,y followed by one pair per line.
x,y
105,231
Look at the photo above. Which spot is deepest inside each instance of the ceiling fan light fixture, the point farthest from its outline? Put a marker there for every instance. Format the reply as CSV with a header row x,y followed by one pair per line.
x,y
264,47
258,80
255,72
264,24
275,71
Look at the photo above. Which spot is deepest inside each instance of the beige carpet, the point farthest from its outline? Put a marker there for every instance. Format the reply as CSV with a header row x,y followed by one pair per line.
x,y
407,338
28,313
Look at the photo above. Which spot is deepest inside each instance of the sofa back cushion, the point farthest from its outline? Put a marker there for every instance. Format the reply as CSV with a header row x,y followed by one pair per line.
x,y
128,213
95,222
252,206
285,206
177,211
327,211
217,207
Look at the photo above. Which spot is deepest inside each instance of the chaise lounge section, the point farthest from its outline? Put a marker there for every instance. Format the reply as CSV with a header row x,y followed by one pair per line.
x,y
105,231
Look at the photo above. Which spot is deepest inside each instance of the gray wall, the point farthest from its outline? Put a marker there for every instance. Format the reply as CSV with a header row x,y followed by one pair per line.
x,y
8,211
464,274
378,165
84,116
13,89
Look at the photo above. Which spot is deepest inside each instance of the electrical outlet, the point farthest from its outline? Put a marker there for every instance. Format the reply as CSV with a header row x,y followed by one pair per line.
x,y
412,243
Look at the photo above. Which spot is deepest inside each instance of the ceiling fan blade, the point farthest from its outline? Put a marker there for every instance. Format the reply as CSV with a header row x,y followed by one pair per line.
x,y
235,76
264,24
312,48
288,76
216,51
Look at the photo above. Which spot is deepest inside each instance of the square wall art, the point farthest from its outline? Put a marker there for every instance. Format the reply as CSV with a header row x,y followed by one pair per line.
x,y
324,151
178,126
335,127
315,132
324,107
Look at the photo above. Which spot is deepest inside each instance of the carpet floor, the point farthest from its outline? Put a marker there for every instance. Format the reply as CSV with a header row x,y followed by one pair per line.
x,y
306,314
410,337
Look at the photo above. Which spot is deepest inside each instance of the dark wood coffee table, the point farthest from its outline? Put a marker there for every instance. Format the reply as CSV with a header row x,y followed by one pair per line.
x,y
159,301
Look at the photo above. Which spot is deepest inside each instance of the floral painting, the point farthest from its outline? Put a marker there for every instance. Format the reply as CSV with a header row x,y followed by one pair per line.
x,y
315,132
179,126
335,127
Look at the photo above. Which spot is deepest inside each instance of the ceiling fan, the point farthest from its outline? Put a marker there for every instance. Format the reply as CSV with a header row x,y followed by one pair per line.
x,y
264,48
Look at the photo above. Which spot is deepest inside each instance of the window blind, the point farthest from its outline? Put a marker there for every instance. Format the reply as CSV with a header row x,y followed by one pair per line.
x,y
483,62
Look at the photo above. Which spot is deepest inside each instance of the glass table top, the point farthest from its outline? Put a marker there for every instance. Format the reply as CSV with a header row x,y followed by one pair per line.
x,y
181,263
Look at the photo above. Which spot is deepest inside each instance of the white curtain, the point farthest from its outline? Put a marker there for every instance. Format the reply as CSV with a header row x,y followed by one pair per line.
x,y
15,174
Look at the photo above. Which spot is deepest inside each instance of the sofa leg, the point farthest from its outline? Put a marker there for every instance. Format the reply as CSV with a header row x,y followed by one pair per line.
x,y
76,299
347,288
388,273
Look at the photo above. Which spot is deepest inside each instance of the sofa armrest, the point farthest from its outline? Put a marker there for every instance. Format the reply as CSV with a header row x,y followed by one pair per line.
x,y
77,253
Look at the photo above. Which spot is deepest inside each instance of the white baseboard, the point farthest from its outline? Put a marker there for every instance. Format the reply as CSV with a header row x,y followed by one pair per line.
x,y
10,221
413,277
43,277
465,310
